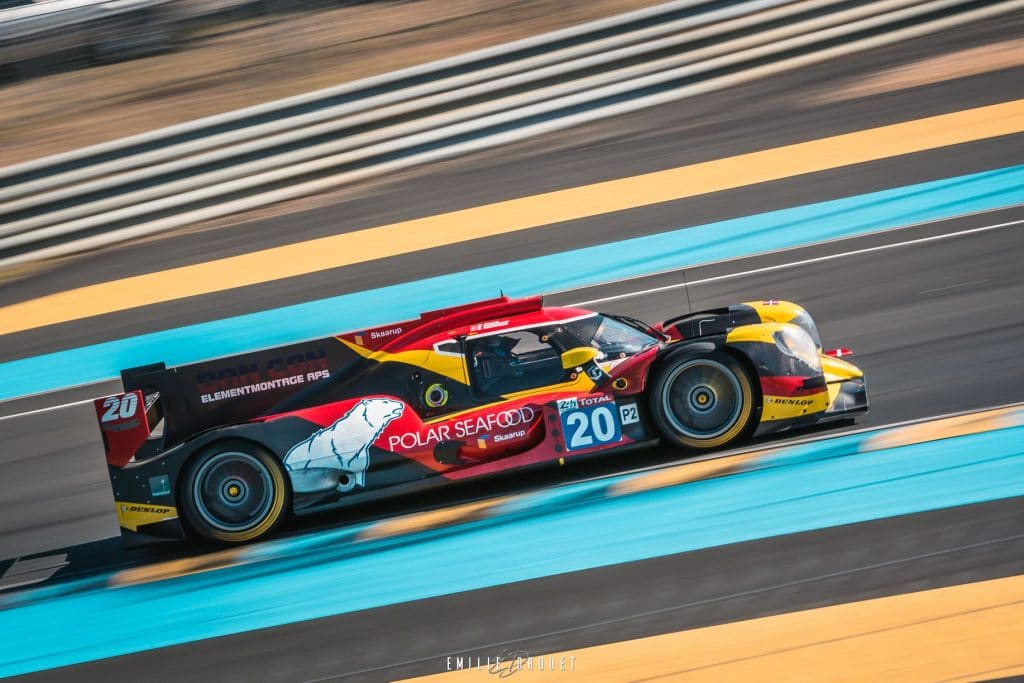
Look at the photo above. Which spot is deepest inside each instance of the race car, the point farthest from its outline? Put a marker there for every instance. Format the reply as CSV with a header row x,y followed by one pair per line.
x,y
223,450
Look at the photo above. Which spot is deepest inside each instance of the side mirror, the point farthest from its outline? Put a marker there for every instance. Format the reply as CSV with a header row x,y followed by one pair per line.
x,y
578,357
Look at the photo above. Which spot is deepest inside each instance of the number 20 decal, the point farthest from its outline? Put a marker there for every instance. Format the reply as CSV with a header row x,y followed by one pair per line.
x,y
589,427
119,407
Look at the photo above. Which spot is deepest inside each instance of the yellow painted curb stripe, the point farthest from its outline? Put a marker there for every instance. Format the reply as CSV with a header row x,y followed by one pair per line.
x,y
961,633
517,214
946,428
179,567
684,474
433,519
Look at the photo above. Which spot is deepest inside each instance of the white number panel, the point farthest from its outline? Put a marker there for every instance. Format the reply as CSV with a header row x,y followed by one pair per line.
x,y
119,407
591,426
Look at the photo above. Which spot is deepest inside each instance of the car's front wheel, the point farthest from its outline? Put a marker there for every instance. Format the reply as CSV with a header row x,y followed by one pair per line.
x,y
702,401
233,493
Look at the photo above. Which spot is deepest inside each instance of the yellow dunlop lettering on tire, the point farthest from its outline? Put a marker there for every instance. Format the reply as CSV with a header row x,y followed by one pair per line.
x,y
133,515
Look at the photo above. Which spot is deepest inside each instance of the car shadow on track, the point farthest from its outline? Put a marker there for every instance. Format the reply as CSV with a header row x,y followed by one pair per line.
x,y
109,554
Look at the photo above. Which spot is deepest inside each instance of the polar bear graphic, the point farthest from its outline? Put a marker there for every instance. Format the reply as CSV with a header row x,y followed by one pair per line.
x,y
337,456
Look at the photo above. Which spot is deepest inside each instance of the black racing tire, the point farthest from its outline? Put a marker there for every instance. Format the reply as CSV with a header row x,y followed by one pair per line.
x,y
702,401
233,492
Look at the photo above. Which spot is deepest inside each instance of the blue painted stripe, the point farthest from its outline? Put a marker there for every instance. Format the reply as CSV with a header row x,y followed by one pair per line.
x,y
675,249
310,579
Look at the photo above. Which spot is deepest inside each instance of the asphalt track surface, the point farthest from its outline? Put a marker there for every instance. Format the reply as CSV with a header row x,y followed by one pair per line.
x,y
621,602
936,326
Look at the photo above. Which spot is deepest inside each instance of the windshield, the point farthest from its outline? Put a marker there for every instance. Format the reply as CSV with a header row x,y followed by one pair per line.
x,y
613,338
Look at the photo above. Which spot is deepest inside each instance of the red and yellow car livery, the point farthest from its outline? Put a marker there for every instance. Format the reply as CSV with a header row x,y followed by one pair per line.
x,y
224,449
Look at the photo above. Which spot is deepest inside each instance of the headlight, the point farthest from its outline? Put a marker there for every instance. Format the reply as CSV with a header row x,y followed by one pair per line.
x,y
796,342
804,320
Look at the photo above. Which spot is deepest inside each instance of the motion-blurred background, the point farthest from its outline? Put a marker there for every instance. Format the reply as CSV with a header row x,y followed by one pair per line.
x,y
129,67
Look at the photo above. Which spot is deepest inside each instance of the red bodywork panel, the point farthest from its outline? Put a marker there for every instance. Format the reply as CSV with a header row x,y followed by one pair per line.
x,y
787,385
123,425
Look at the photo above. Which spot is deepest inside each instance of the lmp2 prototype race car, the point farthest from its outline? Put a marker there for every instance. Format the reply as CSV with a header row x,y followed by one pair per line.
x,y
223,450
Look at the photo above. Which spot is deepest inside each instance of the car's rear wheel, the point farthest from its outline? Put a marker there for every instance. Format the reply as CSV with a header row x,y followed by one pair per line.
x,y
233,493
702,401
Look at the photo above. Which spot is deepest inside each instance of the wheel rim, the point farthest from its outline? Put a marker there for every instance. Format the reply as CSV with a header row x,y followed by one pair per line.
x,y
233,491
704,398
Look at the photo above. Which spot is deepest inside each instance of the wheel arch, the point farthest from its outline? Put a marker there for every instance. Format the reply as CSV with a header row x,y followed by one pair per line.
x,y
755,378
228,437
705,346
243,433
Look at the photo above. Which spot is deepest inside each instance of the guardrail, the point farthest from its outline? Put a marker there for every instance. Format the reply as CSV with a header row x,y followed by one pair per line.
x,y
301,145
107,29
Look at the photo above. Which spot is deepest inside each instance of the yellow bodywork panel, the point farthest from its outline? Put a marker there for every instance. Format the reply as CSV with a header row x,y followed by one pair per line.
x,y
788,407
838,370
755,333
581,384
450,366
578,356
133,515
776,311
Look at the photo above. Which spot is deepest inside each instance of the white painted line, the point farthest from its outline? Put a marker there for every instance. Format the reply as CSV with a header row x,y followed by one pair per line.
x,y
654,290
962,284
786,250
45,410
793,264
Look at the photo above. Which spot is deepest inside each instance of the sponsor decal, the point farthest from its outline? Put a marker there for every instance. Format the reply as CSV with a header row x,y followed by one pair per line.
x,y
511,436
792,401
463,429
133,515
253,377
489,325
384,334
338,456
568,404
160,485
247,389
138,507
126,425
